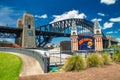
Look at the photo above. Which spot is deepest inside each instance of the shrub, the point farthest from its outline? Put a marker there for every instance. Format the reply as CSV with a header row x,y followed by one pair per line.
x,y
94,60
106,58
75,63
116,57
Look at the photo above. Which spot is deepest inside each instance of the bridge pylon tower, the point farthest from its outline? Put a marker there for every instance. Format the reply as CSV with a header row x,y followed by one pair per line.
x,y
18,39
27,38
98,37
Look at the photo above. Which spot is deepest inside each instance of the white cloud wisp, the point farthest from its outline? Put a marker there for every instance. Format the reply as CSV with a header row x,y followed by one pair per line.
x,y
108,2
107,25
44,16
68,15
110,32
101,14
115,19
99,19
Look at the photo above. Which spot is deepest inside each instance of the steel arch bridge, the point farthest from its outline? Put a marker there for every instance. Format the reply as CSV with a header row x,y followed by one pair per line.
x,y
45,33
62,29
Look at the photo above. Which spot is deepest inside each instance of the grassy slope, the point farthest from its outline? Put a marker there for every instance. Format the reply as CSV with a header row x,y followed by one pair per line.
x,y
10,66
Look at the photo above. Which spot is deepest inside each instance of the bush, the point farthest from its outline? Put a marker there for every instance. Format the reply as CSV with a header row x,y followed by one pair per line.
x,y
94,60
116,57
75,63
106,58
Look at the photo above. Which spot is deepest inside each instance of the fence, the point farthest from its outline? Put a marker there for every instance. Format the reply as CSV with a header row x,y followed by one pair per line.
x,y
59,57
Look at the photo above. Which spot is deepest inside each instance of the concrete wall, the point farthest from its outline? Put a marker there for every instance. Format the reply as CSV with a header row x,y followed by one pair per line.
x,y
42,59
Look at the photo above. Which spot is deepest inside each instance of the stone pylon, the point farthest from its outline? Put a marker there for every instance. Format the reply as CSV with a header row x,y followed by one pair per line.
x,y
18,39
27,37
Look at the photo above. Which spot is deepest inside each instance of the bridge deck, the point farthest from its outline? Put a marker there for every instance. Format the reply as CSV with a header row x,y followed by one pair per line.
x,y
6,29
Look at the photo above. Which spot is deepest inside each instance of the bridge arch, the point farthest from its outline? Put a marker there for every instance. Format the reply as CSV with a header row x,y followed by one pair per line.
x,y
62,29
63,24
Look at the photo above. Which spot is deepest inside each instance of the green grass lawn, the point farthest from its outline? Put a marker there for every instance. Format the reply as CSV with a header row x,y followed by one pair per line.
x,y
10,66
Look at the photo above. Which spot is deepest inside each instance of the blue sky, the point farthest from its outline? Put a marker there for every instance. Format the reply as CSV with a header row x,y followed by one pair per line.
x,y
46,11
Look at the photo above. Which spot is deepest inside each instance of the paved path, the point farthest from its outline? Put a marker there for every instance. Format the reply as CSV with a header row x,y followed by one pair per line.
x,y
30,65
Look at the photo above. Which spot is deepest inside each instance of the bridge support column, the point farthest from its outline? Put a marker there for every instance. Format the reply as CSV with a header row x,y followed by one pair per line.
x,y
18,39
28,35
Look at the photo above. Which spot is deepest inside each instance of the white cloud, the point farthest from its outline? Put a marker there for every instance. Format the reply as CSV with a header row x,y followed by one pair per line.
x,y
108,2
107,25
101,14
99,19
115,19
42,16
5,16
9,16
110,32
68,15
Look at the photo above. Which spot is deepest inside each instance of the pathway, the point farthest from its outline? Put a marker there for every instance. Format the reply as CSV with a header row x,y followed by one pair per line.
x,y
30,65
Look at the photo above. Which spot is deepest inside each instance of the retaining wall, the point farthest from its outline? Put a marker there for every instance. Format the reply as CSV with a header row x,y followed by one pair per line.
x,y
42,59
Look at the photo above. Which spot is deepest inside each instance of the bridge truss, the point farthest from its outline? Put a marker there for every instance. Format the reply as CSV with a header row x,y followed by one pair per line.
x,y
45,33
62,29
9,32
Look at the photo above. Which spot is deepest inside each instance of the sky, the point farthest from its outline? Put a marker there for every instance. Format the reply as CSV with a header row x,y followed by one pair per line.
x,y
107,12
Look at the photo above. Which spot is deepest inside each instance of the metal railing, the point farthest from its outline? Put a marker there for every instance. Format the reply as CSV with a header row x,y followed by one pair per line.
x,y
57,58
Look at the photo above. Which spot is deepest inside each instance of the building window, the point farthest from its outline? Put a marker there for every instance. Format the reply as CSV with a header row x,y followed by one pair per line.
x,y
30,32
98,32
74,33
29,26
